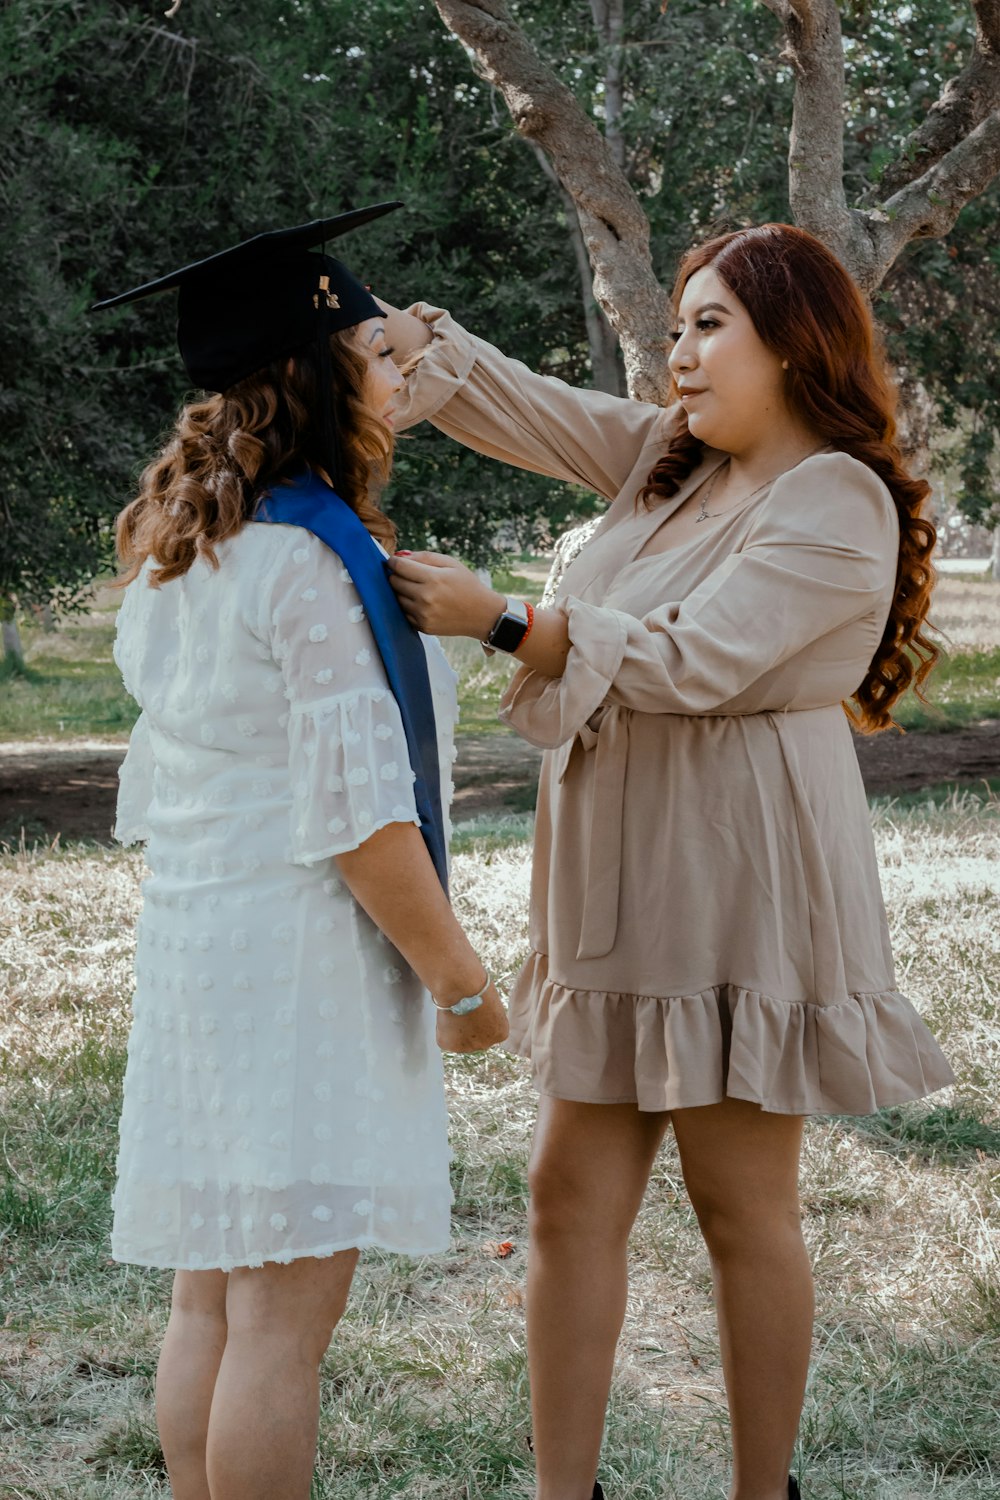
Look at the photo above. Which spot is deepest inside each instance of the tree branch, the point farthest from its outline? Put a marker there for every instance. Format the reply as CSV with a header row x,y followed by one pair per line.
x,y
958,144
928,207
792,10
964,103
614,226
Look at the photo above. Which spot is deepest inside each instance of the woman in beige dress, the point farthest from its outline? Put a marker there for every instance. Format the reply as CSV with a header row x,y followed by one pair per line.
x,y
709,950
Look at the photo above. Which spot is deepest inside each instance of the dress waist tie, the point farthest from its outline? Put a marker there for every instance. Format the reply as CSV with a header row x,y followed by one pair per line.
x,y
605,736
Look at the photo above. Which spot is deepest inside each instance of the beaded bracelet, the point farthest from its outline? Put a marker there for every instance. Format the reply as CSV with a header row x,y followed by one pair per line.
x,y
531,620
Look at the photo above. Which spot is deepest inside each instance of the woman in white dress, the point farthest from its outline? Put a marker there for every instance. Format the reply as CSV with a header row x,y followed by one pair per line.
x,y
284,1102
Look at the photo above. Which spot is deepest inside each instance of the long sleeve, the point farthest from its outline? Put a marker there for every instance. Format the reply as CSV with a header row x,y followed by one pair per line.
x,y
819,562
348,760
501,408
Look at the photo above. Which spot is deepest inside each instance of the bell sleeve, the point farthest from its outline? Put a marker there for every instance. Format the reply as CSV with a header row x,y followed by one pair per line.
x,y
821,556
349,765
135,786
502,409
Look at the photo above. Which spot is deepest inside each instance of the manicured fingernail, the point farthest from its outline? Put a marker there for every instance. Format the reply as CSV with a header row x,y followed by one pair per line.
x,y
404,552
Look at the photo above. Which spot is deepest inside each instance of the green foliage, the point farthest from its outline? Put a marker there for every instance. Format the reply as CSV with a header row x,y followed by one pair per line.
x,y
130,144
963,687
943,1132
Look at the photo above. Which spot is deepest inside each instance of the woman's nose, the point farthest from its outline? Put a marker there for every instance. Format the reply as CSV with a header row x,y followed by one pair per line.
x,y
681,355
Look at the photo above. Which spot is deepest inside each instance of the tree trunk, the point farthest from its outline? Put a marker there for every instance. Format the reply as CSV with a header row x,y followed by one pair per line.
x,y
605,361
609,21
13,650
615,228
603,345
45,617
995,556
915,419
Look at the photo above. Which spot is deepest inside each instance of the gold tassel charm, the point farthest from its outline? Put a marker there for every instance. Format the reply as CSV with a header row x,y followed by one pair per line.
x,y
332,300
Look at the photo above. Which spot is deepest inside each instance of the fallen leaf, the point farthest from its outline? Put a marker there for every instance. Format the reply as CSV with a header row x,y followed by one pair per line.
x,y
498,1249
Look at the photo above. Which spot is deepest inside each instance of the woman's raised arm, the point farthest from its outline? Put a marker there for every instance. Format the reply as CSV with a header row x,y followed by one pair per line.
x,y
404,333
481,397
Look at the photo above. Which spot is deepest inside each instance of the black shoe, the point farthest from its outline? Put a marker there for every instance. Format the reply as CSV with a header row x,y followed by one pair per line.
x,y
598,1492
793,1488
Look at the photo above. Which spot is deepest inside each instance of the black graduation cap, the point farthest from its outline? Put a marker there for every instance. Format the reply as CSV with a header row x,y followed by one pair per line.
x,y
242,308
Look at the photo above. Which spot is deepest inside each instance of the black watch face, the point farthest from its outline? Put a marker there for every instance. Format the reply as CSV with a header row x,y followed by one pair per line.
x,y
508,633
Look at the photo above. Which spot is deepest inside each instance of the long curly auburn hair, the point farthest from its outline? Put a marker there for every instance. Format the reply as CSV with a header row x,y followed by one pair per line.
x,y
225,450
806,309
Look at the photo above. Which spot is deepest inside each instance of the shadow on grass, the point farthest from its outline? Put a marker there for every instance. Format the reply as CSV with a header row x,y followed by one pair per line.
x,y
945,1133
13,668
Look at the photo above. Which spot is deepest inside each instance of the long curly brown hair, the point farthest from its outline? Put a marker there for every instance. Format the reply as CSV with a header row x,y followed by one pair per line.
x,y
225,450
806,308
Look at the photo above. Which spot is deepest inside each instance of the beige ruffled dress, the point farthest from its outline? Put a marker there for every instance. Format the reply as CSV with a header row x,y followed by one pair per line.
x,y
706,916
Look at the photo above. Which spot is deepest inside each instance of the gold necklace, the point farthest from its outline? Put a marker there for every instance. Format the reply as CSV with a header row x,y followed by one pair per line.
x,y
704,514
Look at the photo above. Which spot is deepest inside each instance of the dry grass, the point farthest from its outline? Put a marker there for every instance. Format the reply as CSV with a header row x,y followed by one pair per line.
x,y
425,1392
966,613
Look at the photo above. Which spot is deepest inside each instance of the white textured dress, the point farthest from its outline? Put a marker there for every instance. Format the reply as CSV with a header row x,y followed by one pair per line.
x,y
283,1091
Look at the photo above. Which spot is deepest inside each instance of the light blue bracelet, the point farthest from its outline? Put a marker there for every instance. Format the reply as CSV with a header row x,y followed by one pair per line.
x,y
469,1003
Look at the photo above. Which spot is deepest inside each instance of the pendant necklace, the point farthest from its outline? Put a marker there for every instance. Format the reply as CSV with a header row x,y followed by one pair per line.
x,y
704,514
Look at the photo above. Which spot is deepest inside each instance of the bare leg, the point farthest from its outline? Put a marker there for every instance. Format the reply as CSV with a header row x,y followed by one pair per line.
x,y
589,1169
185,1377
741,1170
265,1411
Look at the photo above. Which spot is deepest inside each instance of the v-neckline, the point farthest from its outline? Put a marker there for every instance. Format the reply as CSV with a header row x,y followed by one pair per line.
x,y
627,535
709,465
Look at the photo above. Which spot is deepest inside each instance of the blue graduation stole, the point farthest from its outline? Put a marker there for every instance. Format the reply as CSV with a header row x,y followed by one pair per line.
x,y
309,502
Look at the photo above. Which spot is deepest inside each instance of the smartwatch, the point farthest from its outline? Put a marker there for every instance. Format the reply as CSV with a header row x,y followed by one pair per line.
x,y
510,629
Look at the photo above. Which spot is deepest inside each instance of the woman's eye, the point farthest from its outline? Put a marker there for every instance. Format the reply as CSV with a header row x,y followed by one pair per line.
x,y
674,335
704,323
385,353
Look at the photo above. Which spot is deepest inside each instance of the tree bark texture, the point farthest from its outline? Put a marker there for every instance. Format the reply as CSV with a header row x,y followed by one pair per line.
x,y
12,639
950,159
601,340
614,227
965,102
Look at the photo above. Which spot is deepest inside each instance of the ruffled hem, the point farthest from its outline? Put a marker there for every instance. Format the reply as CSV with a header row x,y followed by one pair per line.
x,y
205,1228
350,772
128,1257
684,1051
131,833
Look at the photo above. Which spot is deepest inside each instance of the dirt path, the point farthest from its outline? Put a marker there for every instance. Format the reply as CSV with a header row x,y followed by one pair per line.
x,y
68,789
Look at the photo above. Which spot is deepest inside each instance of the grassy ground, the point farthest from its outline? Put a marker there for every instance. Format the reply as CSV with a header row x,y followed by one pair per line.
x,y
74,688
424,1389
